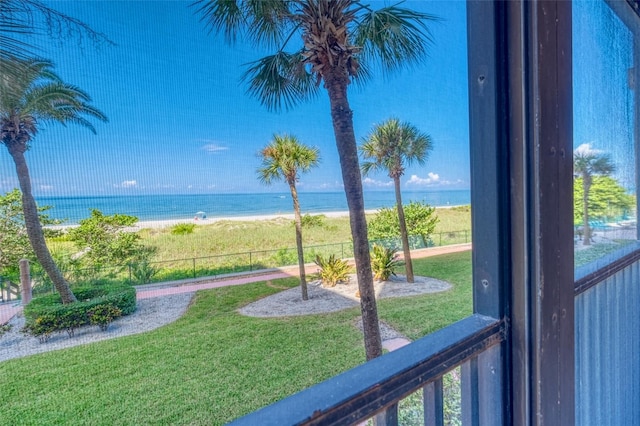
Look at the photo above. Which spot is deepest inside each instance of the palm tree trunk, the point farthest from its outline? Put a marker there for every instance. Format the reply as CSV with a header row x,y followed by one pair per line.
x,y
34,228
586,228
298,222
336,82
404,235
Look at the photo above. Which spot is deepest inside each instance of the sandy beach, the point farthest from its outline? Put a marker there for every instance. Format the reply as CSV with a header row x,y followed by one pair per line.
x,y
165,223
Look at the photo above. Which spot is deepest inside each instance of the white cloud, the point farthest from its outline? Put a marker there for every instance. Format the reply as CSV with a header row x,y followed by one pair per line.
x,y
214,148
431,179
377,183
585,149
128,184
46,187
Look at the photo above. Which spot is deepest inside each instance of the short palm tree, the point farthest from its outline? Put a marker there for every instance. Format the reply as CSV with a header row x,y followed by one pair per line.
x,y
392,146
587,163
329,42
27,100
284,159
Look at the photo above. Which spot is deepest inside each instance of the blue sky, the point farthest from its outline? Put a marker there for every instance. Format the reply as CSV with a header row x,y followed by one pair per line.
x,y
181,122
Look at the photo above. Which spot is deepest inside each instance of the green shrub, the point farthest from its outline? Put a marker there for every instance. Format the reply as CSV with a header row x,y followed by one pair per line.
x,y
284,257
46,315
384,262
103,315
309,221
183,228
143,272
332,270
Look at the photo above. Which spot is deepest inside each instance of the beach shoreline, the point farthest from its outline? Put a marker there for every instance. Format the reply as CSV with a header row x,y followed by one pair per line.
x,y
167,223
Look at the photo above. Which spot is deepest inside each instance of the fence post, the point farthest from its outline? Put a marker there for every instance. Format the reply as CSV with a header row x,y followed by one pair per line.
x,y
194,267
440,239
25,281
250,262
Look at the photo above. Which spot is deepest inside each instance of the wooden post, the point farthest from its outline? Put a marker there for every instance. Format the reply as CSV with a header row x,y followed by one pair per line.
x,y
25,281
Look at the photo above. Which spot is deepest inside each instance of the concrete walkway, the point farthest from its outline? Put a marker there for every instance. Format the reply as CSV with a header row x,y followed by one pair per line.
x,y
9,310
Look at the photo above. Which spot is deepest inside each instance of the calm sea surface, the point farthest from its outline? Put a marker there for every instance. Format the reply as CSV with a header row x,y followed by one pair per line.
x,y
165,207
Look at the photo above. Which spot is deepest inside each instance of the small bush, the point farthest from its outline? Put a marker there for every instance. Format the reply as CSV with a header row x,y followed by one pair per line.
x,y
183,228
285,257
332,270
143,272
103,315
384,262
46,315
309,221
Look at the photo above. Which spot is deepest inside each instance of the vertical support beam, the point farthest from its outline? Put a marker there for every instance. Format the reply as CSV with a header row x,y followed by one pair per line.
x,y
490,198
433,403
549,184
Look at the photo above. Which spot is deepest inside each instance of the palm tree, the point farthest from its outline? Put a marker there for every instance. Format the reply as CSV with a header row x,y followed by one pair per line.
x,y
588,162
332,42
390,146
36,96
284,158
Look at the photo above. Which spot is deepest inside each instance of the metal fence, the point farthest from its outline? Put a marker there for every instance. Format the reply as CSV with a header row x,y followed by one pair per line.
x,y
212,266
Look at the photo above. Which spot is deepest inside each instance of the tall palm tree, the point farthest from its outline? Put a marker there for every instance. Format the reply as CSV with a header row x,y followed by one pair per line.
x,y
284,158
330,42
390,146
36,96
587,163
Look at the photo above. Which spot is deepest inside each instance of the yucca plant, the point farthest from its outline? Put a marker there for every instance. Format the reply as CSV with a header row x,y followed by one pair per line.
x,y
384,262
332,270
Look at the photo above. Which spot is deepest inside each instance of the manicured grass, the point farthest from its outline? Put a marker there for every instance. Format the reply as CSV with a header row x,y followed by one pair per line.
x,y
213,365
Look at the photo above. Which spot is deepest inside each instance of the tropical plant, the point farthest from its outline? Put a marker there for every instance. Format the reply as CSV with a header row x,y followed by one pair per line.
x,y
607,199
284,159
421,220
14,241
183,228
104,240
335,42
332,270
392,146
587,163
384,262
35,96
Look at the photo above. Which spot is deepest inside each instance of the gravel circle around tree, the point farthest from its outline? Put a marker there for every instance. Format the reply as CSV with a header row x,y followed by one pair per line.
x,y
342,296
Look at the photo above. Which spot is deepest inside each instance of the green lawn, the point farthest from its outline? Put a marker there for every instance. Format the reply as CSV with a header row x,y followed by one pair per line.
x,y
213,364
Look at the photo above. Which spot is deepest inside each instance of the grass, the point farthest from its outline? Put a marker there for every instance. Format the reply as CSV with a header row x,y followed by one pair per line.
x,y
213,365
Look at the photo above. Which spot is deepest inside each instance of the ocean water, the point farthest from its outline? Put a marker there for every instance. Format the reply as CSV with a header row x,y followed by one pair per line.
x,y
170,207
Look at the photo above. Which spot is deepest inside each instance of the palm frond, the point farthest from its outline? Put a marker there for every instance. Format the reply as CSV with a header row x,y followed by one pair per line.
x,y
280,81
393,36
263,21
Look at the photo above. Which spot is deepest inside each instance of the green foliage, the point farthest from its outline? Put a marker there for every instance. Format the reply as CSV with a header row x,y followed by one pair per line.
x,y
421,221
313,221
183,228
332,270
285,257
103,315
46,315
142,270
607,199
71,378
14,242
104,241
384,262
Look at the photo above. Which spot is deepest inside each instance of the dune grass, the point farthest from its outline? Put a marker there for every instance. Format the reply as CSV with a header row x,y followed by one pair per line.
x,y
213,364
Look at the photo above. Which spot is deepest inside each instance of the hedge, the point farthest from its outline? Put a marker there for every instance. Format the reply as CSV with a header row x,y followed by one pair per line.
x,y
96,305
